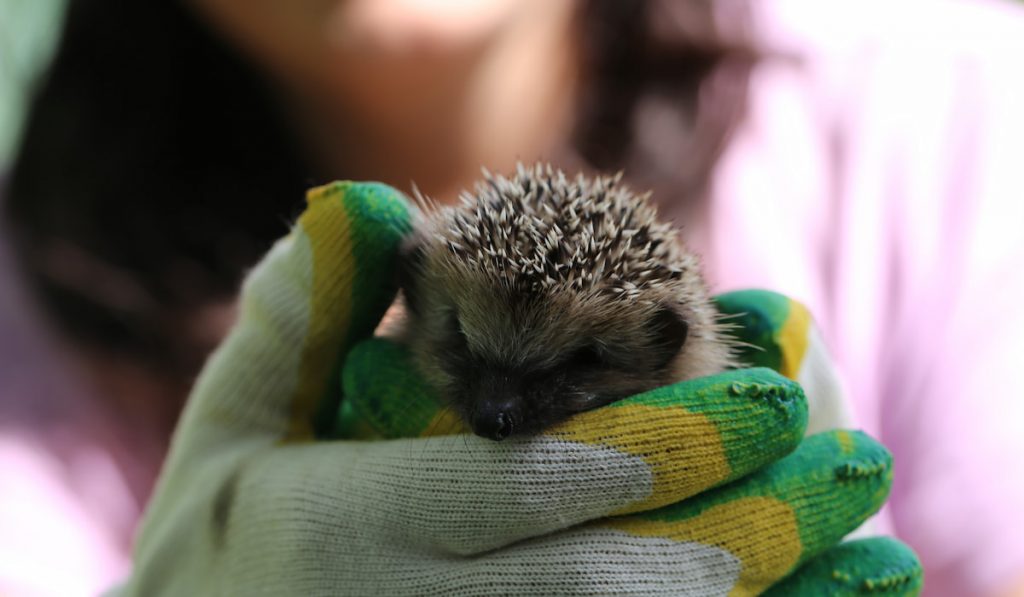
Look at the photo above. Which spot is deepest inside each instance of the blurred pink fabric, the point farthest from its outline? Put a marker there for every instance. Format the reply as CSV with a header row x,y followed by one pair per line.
x,y
66,509
880,180
55,540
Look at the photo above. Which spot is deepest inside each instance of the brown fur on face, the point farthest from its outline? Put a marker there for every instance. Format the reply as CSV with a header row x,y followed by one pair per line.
x,y
539,298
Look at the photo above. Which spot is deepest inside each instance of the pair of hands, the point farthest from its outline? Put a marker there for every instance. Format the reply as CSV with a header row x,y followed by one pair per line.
x,y
702,487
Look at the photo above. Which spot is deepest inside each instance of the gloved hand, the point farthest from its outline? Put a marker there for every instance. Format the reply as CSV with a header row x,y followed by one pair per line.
x,y
251,503
771,330
766,523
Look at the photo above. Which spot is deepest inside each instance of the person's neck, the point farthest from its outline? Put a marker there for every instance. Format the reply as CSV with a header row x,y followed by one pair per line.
x,y
511,99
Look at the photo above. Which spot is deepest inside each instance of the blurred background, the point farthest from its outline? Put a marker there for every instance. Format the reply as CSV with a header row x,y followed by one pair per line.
x,y
863,159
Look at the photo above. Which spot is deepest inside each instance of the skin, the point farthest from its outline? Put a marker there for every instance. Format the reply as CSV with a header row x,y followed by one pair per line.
x,y
348,70
1016,589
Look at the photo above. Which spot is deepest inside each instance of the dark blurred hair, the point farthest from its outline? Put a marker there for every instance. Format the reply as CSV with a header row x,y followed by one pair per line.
x,y
156,165
664,89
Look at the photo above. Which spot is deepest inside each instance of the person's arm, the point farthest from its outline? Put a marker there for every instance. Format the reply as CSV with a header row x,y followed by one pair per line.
x,y
948,156
1016,589
879,181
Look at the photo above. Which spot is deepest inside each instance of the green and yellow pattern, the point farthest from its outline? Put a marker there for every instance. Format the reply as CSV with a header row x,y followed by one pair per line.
x,y
774,327
354,228
728,464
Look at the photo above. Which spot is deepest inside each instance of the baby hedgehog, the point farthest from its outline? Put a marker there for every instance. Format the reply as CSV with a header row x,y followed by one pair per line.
x,y
541,297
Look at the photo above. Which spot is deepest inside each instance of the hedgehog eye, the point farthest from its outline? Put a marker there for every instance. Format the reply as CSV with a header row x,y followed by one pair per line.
x,y
586,357
455,332
669,331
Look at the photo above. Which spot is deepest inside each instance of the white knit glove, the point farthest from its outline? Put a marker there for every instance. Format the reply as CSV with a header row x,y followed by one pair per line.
x,y
251,503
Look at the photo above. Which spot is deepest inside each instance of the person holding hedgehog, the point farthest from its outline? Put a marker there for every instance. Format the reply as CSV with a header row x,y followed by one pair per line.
x,y
701,488
781,136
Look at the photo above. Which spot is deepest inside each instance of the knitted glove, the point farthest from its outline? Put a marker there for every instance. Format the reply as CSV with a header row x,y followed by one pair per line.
x,y
738,539
777,332
250,503
385,398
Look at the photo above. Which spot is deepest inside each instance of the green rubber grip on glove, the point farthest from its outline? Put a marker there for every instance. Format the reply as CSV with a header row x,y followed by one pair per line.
x,y
875,566
356,229
772,525
386,398
771,327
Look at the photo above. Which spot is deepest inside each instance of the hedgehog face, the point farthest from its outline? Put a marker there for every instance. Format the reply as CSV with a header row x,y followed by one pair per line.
x,y
514,364
540,298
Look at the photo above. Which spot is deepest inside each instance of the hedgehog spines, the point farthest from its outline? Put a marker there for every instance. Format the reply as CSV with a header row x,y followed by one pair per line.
x,y
537,231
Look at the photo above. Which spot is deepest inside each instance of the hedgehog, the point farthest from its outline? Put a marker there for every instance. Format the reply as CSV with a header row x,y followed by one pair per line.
x,y
540,297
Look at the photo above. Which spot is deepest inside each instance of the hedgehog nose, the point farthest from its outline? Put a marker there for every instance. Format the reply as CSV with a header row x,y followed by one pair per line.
x,y
493,424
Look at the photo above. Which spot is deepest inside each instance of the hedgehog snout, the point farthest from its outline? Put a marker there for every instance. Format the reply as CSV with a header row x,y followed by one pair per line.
x,y
496,406
493,424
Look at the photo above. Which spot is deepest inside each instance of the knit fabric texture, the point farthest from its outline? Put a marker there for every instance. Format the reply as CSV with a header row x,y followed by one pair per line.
x,y
700,488
765,523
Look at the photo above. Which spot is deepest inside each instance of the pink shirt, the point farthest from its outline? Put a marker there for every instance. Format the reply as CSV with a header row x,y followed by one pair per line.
x,y
880,180
62,524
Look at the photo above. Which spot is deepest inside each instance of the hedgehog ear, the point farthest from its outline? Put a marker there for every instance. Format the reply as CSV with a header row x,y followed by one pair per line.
x,y
410,263
668,331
